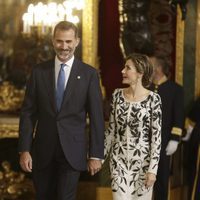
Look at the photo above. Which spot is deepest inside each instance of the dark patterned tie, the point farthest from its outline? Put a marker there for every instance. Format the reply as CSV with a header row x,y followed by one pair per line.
x,y
60,86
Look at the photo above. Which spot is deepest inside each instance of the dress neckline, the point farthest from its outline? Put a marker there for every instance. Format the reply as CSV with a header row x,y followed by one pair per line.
x,y
135,102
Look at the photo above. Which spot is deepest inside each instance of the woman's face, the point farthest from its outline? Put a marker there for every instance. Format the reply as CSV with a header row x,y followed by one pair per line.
x,y
130,75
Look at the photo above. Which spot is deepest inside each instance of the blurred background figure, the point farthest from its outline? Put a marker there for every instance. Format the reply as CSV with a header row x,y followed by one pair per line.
x,y
193,138
172,122
19,71
3,61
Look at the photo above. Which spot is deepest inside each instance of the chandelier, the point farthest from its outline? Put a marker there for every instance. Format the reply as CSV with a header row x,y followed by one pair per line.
x,y
41,18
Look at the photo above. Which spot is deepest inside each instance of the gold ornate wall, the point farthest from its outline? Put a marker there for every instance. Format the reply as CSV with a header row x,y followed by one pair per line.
x,y
180,50
90,35
90,32
180,27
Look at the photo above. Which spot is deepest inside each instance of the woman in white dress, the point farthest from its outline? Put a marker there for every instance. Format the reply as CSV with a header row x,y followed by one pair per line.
x,y
133,138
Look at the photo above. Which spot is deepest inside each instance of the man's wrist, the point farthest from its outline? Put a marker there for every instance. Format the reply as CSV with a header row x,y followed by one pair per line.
x,y
94,158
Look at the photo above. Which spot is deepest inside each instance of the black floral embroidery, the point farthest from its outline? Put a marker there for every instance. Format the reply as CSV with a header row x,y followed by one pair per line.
x,y
133,140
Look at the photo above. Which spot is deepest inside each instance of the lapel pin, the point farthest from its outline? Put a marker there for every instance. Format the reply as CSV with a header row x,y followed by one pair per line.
x,y
78,77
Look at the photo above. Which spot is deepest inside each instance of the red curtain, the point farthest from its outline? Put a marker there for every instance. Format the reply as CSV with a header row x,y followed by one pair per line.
x,y
111,59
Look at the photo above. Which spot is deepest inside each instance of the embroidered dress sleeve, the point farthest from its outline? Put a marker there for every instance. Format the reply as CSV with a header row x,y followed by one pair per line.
x,y
155,134
109,133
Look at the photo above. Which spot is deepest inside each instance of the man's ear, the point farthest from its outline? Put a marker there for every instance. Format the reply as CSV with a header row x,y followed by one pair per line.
x,y
77,41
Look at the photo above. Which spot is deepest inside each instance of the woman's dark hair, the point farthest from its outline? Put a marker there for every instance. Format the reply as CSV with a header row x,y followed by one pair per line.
x,y
65,26
143,66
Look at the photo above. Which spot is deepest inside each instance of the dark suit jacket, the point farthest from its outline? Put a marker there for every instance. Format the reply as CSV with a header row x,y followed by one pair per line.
x,y
82,96
172,98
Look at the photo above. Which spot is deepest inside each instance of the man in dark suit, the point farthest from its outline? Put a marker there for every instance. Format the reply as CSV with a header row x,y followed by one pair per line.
x,y
60,94
192,124
172,96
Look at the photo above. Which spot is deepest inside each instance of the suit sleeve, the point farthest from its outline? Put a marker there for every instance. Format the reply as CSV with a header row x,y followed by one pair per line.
x,y
194,114
156,121
178,114
95,112
28,116
193,117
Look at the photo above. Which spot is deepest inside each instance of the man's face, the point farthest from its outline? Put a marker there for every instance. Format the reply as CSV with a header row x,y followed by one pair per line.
x,y
156,68
65,43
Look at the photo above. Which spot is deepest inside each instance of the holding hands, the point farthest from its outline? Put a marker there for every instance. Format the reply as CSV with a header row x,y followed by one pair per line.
x,y
94,166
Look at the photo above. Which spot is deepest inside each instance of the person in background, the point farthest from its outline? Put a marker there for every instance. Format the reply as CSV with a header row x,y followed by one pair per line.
x,y
133,138
172,122
4,61
59,96
192,138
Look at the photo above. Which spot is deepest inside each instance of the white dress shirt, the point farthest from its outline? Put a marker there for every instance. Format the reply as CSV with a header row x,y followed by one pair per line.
x,y
67,69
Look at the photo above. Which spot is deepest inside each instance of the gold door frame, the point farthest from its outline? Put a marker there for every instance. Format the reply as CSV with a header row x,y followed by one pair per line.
x,y
180,27
9,125
90,33
180,50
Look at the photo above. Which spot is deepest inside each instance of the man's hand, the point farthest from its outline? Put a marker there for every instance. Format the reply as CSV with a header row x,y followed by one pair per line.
x,y
26,161
150,179
171,147
94,166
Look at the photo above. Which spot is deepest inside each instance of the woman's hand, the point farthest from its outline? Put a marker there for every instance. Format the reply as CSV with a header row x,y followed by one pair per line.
x,y
150,179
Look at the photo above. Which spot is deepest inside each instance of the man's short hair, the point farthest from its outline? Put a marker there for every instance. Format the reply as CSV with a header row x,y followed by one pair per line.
x,y
65,26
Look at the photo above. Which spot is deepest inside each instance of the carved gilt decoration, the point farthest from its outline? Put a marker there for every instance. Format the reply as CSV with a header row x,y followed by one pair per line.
x,y
14,185
134,26
180,27
90,32
10,97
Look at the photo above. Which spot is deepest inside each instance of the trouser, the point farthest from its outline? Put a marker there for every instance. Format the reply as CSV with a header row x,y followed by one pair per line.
x,y
162,180
57,181
193,163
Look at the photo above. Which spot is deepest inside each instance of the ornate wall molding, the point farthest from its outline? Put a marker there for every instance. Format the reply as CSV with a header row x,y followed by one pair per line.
x,y
163,29
90,33
180,27
197,61
135,35
9,126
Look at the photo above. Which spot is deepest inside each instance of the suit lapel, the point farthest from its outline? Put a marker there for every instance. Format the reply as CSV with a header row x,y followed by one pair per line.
x,y
49,79
71,84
